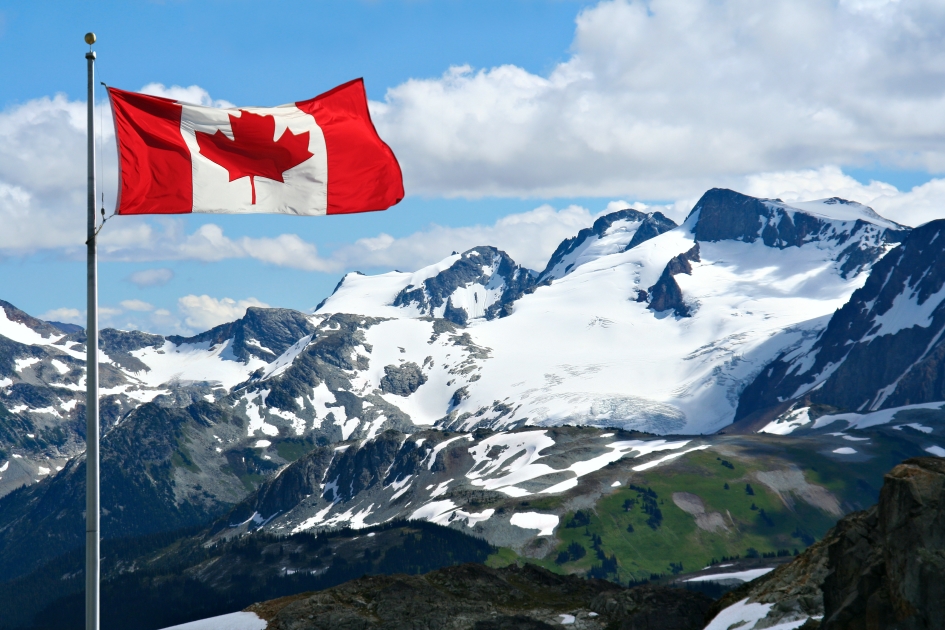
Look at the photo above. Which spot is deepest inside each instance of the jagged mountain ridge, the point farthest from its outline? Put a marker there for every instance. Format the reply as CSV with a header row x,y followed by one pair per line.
x,y
882,349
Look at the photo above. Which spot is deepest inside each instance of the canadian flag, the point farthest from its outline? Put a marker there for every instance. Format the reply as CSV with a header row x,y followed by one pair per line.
x,y
321,156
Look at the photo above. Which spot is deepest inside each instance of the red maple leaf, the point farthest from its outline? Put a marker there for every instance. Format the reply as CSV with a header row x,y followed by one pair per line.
x,y
252,152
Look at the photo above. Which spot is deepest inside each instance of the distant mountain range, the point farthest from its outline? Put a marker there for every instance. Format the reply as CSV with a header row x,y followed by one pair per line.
x,y
502,401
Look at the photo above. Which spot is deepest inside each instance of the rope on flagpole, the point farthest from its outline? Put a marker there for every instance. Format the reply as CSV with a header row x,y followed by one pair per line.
x,y
101,165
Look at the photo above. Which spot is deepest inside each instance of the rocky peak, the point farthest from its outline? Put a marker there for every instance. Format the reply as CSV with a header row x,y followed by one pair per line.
x,y
482,282
628,227
666,294
264,333
44,329
723,214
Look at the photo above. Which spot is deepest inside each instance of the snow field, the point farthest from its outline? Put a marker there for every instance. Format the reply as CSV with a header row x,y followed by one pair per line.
x,y
872,419
194,362
232,621
545,523
743,576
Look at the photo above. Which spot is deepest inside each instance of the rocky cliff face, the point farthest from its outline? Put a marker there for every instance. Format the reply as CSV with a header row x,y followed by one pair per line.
x,y
882,349
728,215
880,568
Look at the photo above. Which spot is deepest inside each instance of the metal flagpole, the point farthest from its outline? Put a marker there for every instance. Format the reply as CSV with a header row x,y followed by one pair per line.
x,y
91,367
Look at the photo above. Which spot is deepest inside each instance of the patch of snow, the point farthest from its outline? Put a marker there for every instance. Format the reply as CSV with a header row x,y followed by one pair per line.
x,y
254,413
743,576
846,450
42,470
916,426
436,512
314,520
938,451
615,484
441,489
563,486
6,465
855,439
906,312
5,382
514,491
22,364
61,367
233,621
22,333
545,523
872,419
194,362
282,363
667,458
566,620
475,517
741,615
262,444
791,421
69,405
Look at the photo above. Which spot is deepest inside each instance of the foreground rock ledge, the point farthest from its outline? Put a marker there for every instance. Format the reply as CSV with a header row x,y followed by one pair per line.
x,y
476,597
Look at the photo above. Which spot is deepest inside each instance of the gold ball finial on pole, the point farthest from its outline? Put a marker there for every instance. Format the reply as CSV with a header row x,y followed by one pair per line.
x,y
90,38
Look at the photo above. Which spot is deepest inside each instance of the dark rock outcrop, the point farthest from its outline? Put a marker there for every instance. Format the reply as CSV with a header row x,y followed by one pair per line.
x,y
402,380
854,362
476,597
666,294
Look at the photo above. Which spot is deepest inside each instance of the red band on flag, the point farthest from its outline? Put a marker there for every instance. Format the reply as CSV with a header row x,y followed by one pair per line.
x,y
363,173
155,172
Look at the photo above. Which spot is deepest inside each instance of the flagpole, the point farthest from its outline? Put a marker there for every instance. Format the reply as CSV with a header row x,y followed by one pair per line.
x,y
91,367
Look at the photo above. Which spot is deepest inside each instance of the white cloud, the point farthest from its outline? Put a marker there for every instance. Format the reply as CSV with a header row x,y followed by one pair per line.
x,y
658,100
66,315
137,305
193,94
151,277
528,237
664,99
202,312
921,204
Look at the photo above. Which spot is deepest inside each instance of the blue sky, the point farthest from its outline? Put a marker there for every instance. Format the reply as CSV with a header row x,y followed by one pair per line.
x,y
516,123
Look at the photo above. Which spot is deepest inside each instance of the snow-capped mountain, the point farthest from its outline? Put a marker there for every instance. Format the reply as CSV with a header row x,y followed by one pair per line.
x,y
661,336
882,349
634,323
443,394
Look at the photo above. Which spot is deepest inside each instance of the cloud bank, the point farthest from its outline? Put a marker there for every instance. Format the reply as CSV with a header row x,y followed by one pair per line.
x,y
658,100
663,99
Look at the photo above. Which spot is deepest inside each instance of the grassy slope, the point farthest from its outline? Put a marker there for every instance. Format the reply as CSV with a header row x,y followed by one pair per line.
x,y
651,550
